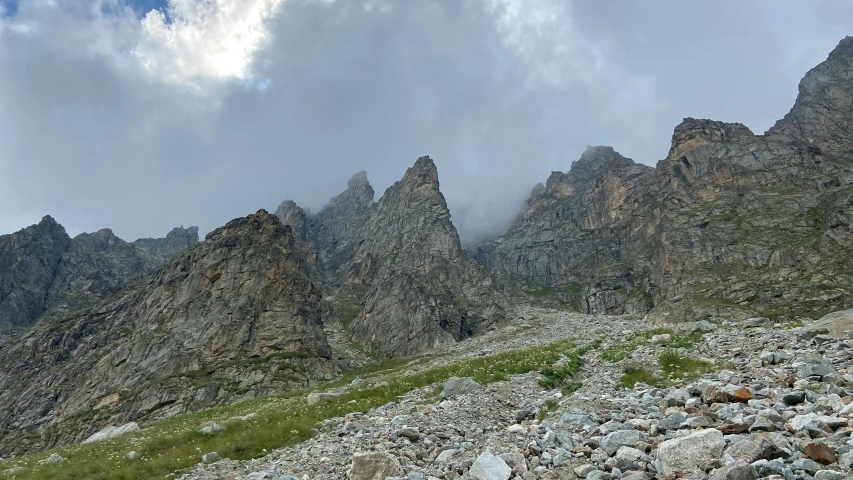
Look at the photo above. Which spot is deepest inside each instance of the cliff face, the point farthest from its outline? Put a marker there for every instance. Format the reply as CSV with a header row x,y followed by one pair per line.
x,y
416,286
232,318
28,259
397,276
583,235
43,272
730,222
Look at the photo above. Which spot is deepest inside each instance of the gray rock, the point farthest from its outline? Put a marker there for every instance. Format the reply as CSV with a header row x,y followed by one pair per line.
x,y
212,429
815,370
373,466
515,461
210,457
774,467
111,432
828,475
455,386
528,412
489,467
598,475
131,455
316,398
54,458
574,420
836,324
446,455
794,397
740,470
806,465
623,438
583,470
754,447
685,454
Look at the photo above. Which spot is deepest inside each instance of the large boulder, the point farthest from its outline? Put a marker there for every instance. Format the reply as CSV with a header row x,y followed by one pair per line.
x,y
112,432
683,455
489,467
621,438
836,324
373,466
457,386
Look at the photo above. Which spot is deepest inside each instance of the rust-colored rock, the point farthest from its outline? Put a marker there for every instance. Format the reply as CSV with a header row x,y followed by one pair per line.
x,y
821,453
733,428
742,395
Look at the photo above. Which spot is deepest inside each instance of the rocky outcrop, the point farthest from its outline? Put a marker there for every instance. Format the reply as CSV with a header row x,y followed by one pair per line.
x,y
583,237
28,259
339,227
235,317
411,275
46,273
395,270
750,225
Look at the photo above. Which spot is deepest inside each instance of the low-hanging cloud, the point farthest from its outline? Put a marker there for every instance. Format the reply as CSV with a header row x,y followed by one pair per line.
x,y
209,109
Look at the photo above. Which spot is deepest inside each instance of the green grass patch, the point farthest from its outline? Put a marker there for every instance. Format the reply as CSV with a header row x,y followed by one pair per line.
x,y
621,351
633,374
673,363
549,406
676,365
174,444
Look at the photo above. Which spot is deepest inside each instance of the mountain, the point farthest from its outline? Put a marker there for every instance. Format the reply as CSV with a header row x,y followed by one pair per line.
x,y
395,269
234,317
729,223
44,272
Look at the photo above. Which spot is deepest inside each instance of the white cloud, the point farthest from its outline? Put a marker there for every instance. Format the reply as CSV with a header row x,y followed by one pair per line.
x,y
204,39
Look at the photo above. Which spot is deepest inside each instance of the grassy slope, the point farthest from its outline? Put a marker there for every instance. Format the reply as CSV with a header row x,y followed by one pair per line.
x,y
175,443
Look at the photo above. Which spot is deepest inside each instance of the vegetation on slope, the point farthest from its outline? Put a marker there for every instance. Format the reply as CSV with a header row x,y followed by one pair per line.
x,y
170,445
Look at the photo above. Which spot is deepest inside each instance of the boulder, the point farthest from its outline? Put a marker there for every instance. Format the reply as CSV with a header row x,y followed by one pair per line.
x,y
740,470
685,454
836,324
455,386
754,447
489,467
373,466
317,398
112,432
821,453
621,438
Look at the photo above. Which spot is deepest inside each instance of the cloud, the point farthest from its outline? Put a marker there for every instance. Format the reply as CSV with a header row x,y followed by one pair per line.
x,y
204,39
205,110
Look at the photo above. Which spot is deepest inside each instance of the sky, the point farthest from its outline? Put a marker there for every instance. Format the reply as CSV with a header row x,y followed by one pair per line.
x,y
143,115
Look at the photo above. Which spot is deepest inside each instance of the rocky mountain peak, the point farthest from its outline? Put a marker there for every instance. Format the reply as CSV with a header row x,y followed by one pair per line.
x,y
293,215
53,274
260,227
98,241
594,162
594,158
245,293
189,234
423,169
358,179
415,287
692,133
822,115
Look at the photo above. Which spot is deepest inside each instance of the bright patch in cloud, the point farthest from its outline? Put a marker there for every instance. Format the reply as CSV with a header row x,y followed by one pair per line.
x,y
204,39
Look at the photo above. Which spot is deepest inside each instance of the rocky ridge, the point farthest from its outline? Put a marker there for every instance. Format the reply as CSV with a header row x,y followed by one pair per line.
x,y
44,272
233,318
730,223
395,270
